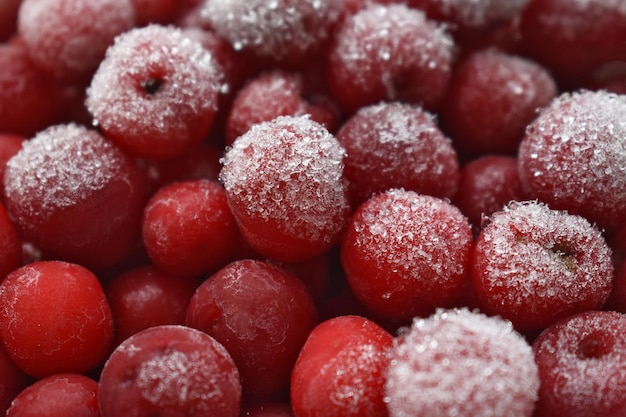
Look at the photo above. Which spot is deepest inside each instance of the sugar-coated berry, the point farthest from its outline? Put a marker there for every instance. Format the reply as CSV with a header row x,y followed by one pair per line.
x,y
397,145
54,317
75,195
405,254
582,366
68,38
10,144
285,186
341,370
12,380
58,395
188,228
389,52
156,92
10,245
169,371
573,156
464,364
261,314
533,265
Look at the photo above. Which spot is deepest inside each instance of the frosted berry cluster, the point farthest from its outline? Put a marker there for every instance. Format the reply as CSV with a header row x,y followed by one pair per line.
x,y
313,208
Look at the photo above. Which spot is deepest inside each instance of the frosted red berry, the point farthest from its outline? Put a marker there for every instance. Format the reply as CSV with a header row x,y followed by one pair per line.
x,y
10,144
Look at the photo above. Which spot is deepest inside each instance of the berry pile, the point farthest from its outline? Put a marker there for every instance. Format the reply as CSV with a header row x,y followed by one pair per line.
x,y
313,208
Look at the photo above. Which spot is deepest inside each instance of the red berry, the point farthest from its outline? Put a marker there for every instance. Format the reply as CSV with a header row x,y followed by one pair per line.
x,y
54,317
8,20
10,245
404,254
461,363
9,145
261,314
581,362
169,371
12,380
533,265
156,92
340,371
285,186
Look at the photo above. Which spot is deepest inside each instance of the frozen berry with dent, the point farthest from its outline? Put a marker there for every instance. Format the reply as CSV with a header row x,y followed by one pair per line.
x,y
461,363
261,314
404,254
341,370
54,317
397,145
75,195
573,156
285,186
156,92
581,362
169,371
389,53
533,265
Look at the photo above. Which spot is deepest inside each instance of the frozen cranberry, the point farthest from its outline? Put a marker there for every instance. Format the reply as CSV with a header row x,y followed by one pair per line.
x,y
54,317
68,38
169,371
59,395
188,228
491,99
285,186
395,145
12,380
154,11
273,94
461,363
488,184
389,53
156,92
144,297
533,265
581,363
341,369
75,195
261,314
404,254
10,245
9,145
8,19
572,157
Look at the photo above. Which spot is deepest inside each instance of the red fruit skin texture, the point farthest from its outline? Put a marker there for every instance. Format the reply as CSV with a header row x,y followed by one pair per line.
x,y
582,363
68,38
188,228
261,314
12,380
8,18
533,266
145,297
10,245
572,157
404,254
58,395
396,145
169,371
340,371
156,92
10,144
286,188
75,195
492,97
389,53
54,318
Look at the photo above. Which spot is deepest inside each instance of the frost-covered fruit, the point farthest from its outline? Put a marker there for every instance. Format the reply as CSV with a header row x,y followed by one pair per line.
x,y
12,380
533,265
397,145
59,395
10,144
285,186
188,228
341,370
68,38
389,53
261,314
54,317
582,366
75,195
572,156
156,92
492,97
10,245
169,371
405,254
461,363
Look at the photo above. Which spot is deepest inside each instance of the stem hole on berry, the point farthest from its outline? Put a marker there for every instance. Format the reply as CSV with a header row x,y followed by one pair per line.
x,y
565,255
594,346
152,85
